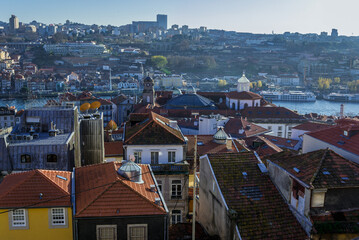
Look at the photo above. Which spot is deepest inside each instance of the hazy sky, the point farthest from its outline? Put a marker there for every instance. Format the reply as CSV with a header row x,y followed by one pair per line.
x,y
259,16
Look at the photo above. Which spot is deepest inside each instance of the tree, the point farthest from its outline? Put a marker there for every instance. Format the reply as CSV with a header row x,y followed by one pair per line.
x,y
259,84
159,61
222,83
337,80
24,90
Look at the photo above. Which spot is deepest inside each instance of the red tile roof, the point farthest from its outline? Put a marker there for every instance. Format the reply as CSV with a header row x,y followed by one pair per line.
x,y
262,212
113,148
311,126
283,142
261,145
320,169
154,129
23,189
272,113
235,125
335,136
102,192
243,95
207,145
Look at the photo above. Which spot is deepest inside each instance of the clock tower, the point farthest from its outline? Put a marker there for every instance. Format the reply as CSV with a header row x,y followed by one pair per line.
x,y
148,94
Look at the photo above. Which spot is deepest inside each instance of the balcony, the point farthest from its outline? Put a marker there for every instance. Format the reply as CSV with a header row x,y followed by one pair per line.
x,y
174,168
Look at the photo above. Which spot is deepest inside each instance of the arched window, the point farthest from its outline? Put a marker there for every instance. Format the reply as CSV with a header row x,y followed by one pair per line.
x,y
233,106
25,158
245,105
51,158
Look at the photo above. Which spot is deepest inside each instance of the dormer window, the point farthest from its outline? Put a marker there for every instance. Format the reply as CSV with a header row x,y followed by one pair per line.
x,y
51,158
25,158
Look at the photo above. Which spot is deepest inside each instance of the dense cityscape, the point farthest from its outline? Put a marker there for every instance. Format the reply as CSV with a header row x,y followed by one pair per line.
x,y
150,131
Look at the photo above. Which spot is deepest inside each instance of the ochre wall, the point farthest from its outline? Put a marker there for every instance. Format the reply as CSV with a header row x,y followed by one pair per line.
x,y
38,227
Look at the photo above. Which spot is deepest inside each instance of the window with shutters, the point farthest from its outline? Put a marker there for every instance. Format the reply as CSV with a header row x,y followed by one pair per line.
x,y
19,218
154,157
176,189
106,232
137,232
176,216
58,216
171,156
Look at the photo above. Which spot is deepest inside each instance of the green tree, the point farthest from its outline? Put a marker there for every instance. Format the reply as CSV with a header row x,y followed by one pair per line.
x,y
259,84
24,90
222,83
159,61
337,80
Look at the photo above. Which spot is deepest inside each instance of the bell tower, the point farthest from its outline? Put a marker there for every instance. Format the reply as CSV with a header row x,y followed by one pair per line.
x,y
148,94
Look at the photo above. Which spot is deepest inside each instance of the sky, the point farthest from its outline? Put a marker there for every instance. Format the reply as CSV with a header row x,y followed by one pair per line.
x,y
256,16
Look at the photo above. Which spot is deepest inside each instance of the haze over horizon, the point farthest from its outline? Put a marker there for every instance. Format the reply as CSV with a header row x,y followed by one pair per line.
x,y
257,16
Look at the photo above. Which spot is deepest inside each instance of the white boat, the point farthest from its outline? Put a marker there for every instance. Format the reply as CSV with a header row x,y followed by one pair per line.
x,y
342,97
291,96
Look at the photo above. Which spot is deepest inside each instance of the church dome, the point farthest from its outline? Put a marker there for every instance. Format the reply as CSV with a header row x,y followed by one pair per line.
x,y
190,101
243,79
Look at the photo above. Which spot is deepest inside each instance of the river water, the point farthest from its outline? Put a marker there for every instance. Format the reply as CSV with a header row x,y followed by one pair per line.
x,y
320,106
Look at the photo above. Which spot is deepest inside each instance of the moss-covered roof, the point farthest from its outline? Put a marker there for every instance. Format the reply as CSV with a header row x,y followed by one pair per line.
x,y
262,212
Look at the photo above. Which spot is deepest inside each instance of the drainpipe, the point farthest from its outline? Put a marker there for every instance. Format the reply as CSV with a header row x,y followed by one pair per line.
x,y
233,215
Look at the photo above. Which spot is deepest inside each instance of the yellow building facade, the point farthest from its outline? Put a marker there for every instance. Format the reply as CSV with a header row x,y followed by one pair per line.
x,y
40,224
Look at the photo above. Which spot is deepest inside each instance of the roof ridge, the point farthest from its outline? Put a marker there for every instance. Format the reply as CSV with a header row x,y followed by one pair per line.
x,y
319,167
50,180
16,185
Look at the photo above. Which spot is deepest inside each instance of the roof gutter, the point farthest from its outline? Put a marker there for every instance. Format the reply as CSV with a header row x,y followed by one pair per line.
x,y
159,192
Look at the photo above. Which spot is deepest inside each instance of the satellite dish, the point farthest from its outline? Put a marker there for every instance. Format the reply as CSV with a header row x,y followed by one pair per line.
x,y
95,105
84,107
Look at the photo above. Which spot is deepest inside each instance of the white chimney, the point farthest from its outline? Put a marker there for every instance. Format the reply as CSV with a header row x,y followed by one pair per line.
x,y
173,124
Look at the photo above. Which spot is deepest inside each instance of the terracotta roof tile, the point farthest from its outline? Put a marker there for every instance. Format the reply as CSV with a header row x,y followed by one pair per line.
x,y
240,128
243,95
311,126
283,142
262,212
277,113
335,136
113,195
320,169
23,189
154,129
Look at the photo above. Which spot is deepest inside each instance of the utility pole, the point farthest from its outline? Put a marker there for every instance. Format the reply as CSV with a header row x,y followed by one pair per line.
x,y
194,190
110,81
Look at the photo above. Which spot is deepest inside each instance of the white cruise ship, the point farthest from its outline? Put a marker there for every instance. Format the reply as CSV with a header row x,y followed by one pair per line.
x,y
291,96
340,97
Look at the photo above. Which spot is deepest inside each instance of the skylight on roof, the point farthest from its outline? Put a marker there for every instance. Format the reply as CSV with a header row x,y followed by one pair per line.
x,y
341,142
200,143
326,173
161,121
345,178
296,170
61,177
